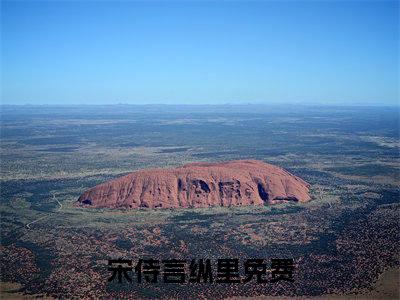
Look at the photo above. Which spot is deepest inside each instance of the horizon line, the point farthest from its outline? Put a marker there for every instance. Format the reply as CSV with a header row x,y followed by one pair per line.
x,y
212,104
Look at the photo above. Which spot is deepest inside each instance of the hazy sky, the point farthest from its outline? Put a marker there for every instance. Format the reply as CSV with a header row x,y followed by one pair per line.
x,y
200,52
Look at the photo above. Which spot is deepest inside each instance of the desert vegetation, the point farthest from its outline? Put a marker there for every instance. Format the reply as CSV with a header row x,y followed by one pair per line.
x,y
341,241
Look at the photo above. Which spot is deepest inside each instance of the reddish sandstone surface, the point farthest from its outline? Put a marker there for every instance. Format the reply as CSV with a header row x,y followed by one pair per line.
x,y
231,183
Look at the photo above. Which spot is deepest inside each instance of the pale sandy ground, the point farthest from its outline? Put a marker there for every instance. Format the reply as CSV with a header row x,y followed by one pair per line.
x,y
387,287
7,291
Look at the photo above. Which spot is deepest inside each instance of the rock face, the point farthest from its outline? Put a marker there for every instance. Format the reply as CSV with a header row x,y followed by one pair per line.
x,y
232,183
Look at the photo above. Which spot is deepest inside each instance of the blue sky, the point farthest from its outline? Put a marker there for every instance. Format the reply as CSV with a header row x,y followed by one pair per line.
x,y
318,52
